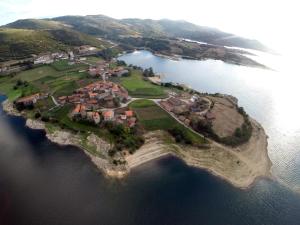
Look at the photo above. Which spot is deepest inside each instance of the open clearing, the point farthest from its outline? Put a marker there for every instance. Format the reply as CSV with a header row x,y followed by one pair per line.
x,y
228,119
93,59
138,87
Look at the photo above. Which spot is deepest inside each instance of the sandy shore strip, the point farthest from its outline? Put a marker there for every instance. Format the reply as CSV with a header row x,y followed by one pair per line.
x,y
240,166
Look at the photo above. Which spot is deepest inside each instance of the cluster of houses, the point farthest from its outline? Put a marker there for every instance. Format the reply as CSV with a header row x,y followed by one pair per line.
x,y
30,100
185,109
102,70
119,116
48,58
125,117
98,95
99,102
99,99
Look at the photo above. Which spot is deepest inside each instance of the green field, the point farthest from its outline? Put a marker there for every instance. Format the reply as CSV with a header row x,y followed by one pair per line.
x,y
93,59
63,65
152,117
58,79
138,87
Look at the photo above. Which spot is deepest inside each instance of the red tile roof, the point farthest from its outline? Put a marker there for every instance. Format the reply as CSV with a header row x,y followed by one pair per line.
x,y
108,114
129,113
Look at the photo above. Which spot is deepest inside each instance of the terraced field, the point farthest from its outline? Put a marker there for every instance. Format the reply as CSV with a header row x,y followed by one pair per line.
x,y
58,79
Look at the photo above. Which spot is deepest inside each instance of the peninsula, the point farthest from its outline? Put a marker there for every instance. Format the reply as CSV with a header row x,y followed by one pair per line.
x,y
122,116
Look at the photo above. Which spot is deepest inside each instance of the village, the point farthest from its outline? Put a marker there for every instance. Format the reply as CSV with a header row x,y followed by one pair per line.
x,y
77,92
103,100
124,115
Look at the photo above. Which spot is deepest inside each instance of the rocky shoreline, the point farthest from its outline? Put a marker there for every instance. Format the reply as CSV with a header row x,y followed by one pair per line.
x,y
64,138
240,166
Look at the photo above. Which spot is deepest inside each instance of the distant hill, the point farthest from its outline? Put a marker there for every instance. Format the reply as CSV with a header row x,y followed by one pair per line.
x,y
109,27
183,29
97,25
31,36
21,43
35,24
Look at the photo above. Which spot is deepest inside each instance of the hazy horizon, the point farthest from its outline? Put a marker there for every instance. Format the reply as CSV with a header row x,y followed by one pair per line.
x,y
271,23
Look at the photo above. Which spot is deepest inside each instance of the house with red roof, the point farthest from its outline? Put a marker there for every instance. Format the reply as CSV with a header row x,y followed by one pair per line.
x,y
108,115
129,113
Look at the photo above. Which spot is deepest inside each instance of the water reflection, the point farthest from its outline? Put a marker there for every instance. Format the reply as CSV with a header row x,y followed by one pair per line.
x,y
43,183
270,96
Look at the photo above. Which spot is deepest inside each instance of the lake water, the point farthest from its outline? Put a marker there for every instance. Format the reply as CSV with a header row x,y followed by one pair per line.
x,y
42,183
269,96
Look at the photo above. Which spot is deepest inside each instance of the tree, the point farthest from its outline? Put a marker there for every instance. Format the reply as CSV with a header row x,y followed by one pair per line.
x,y
148,72
121,63
238,132
37,115
19,82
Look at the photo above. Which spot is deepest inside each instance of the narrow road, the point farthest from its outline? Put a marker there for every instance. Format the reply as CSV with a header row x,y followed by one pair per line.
x,y
54,101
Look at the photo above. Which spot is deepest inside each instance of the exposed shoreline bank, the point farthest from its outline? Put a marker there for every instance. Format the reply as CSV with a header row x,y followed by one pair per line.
x,y
240,166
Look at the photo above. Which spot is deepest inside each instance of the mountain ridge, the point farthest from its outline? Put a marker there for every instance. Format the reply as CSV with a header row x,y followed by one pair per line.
x,y
108,27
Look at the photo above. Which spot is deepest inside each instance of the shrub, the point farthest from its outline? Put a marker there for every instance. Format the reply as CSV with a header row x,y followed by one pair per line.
x,y
180,135
45,118
37,115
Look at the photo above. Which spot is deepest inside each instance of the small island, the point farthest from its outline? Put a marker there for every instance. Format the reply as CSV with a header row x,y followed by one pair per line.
x,y
122,116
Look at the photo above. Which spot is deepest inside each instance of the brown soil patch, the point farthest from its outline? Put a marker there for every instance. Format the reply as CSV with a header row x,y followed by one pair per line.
x,y
228,119
152,112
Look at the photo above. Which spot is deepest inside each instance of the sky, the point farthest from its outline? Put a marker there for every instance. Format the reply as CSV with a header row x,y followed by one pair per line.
x,y
273,22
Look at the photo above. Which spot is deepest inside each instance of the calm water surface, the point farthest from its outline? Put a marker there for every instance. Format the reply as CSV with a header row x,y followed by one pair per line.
x,y
269,96
42,183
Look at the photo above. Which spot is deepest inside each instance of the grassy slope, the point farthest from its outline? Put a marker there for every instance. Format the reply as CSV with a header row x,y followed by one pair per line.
x,y
138,87
21,43
35,24
93,59
152,117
